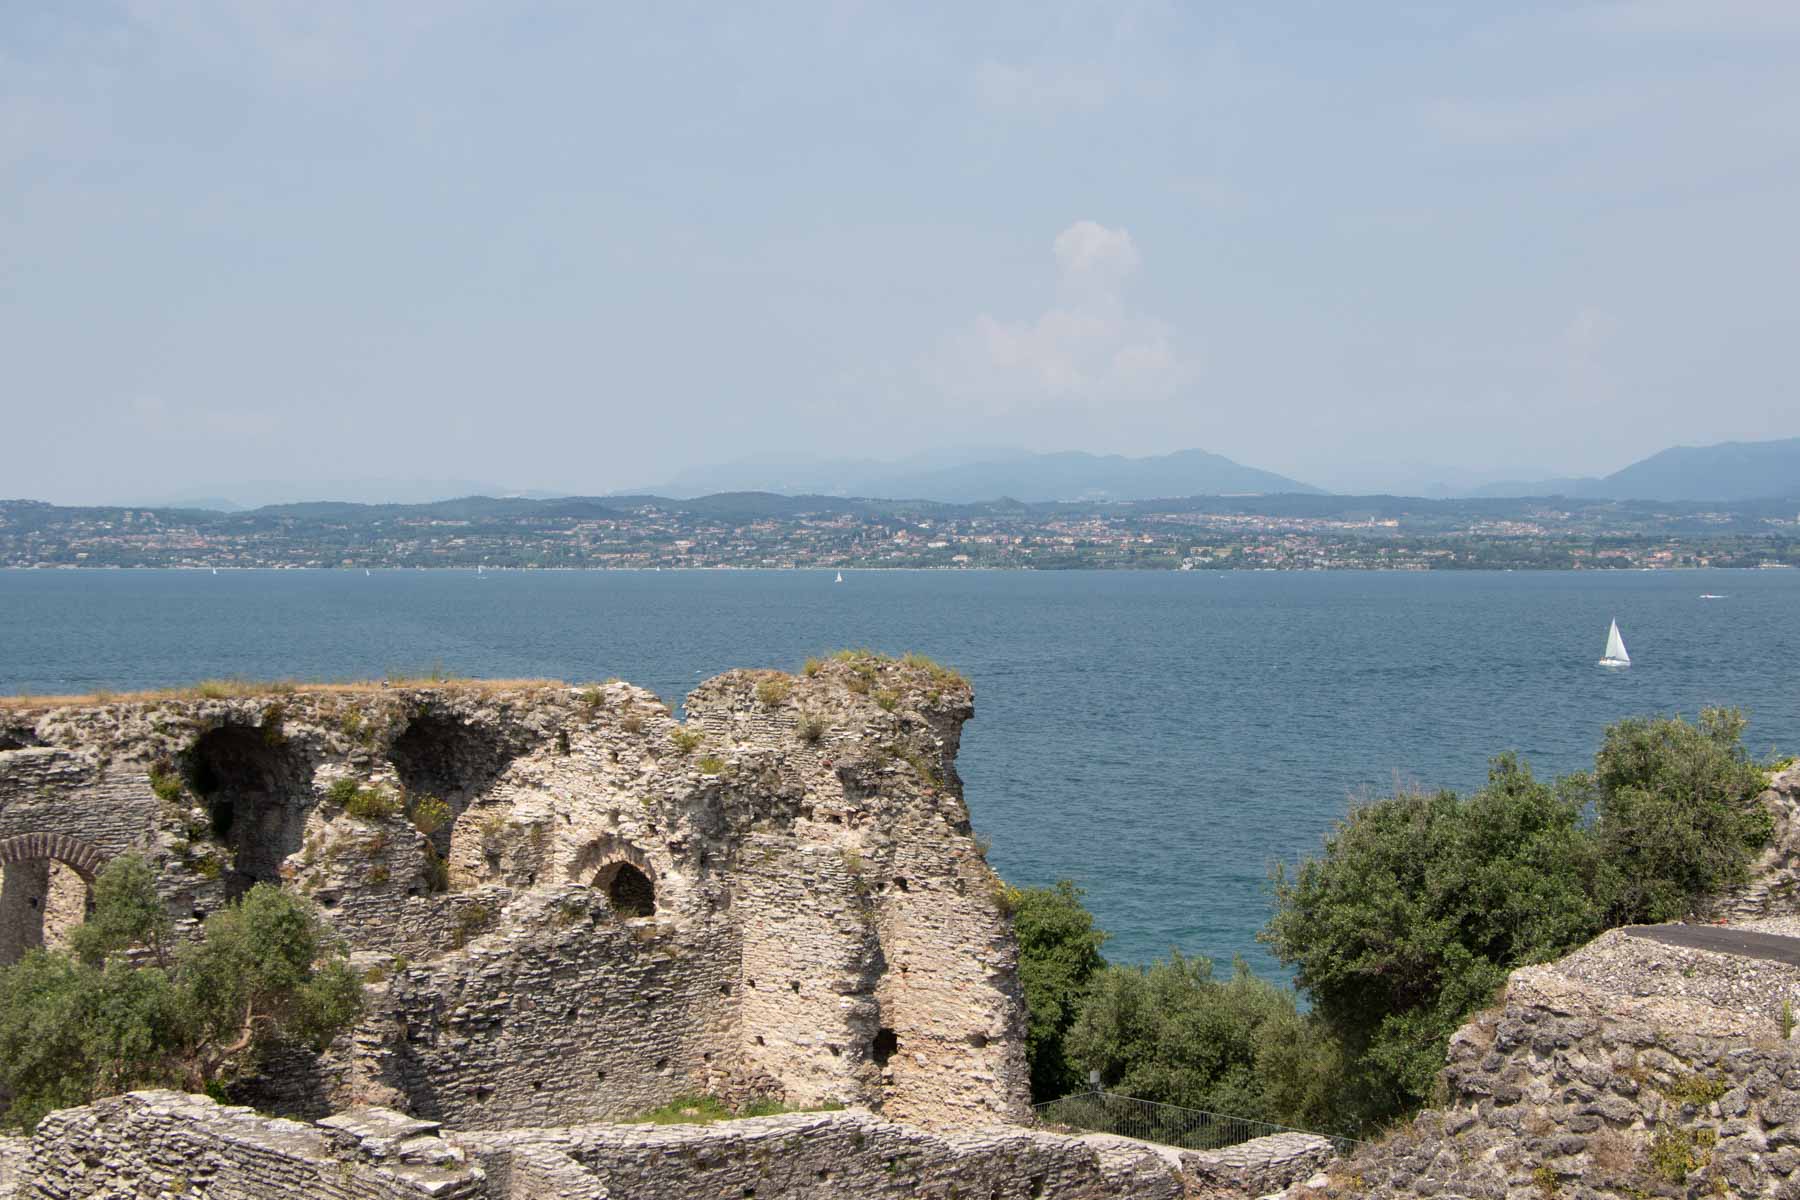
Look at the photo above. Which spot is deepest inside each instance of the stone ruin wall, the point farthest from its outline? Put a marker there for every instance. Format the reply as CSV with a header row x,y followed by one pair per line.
x,y
824,928
171,1144
1630,1068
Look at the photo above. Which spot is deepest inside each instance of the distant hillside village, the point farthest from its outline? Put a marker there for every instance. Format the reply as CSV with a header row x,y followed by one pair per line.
x,y
759,530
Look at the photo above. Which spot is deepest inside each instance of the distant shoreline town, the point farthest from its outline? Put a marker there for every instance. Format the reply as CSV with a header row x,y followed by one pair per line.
x,y
765,531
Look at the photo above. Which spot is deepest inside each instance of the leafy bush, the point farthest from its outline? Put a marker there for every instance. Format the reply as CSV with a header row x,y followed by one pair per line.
x,y
686,739
429,814
810,727
773,690
166,784
1171,1032
1421,904
712,764
1059,952
75,1027
376,803
1676,818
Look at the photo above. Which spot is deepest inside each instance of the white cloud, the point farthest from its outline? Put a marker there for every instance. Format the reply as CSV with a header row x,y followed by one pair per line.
x,y
1088,350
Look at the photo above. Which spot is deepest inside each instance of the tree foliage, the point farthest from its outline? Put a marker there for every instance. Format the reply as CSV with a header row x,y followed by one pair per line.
x,y
127,1009
1422,903
1674,821
1059,952
1173,1033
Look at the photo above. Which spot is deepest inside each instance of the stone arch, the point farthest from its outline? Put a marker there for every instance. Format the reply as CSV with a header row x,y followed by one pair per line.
x,y
258,791
84,858
455,760
629,889
46,887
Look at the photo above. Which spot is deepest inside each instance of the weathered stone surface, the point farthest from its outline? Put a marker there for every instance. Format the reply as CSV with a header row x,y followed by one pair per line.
x,y
1629,1068
779,897
167,1143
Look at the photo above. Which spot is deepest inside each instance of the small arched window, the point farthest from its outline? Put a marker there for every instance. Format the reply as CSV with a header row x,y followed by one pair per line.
x,y
628,889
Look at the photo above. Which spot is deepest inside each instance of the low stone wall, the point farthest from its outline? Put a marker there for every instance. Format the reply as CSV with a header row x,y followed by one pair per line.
x,y
168,1143
13,1154
1259,1166
820,1156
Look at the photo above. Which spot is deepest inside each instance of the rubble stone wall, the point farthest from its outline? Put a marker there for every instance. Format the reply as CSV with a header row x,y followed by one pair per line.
x,y
1632,1068
170,1144
821,926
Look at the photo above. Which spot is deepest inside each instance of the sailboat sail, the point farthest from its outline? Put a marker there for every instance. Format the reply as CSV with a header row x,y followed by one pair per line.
x,y
1615,647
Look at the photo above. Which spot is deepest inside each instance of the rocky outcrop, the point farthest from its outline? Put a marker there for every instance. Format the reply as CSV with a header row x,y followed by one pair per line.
x,y
1774,887
577,906
1631,1068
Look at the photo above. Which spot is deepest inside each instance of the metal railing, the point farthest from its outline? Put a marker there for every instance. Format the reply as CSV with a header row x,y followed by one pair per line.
x,y
1166,1124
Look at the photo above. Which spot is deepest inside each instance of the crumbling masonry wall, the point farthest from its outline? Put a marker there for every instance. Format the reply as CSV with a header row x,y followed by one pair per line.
x,y
574,906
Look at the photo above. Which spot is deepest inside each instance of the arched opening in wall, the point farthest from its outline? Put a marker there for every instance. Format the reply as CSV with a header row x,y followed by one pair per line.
x,y
451,759
258,791
884,1047
627,889
41,900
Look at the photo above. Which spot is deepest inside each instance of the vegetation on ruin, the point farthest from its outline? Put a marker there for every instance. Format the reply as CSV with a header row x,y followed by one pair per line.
x,y
1406,923
701,1109
128,1008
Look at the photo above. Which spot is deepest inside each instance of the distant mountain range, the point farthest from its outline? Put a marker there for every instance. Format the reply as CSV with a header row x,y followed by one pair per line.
x,y
1726,471
1031,478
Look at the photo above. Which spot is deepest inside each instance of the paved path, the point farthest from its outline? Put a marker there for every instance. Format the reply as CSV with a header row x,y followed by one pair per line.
x,y
1722,940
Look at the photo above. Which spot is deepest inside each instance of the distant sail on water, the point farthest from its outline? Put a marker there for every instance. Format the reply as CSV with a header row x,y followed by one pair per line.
x,y
1615,649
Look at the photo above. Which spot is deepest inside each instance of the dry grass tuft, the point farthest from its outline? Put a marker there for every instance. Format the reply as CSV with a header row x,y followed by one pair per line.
x,y
233,689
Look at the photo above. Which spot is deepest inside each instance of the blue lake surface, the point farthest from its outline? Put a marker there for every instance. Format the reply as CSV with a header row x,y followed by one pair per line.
x,y
1163,739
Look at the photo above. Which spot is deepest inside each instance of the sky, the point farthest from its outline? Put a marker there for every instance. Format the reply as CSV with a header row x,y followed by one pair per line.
x,y
583,247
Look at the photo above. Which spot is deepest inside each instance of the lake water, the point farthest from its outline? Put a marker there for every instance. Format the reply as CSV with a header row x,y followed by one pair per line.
x,y
1163,739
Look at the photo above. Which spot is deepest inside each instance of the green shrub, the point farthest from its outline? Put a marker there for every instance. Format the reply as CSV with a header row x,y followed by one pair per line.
x,y
810,727
1173,1033
686,739
1676,1153
773,690
166,784
342,791
1421,904
376,803
429,814
1677,817
712,765
888,699
76,1027
1059,953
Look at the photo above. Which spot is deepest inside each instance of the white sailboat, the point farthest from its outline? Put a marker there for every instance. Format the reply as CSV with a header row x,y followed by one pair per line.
x,y
1615,649
840,577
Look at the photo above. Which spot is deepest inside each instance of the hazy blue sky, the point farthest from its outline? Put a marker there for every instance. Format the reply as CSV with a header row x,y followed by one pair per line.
x,y
581,246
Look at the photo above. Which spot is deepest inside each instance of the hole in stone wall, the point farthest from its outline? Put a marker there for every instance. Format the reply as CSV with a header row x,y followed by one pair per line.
x,y
40,902
258,792
13,739
884,1047
901,883
796,986
450,759
978,1040
628,889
